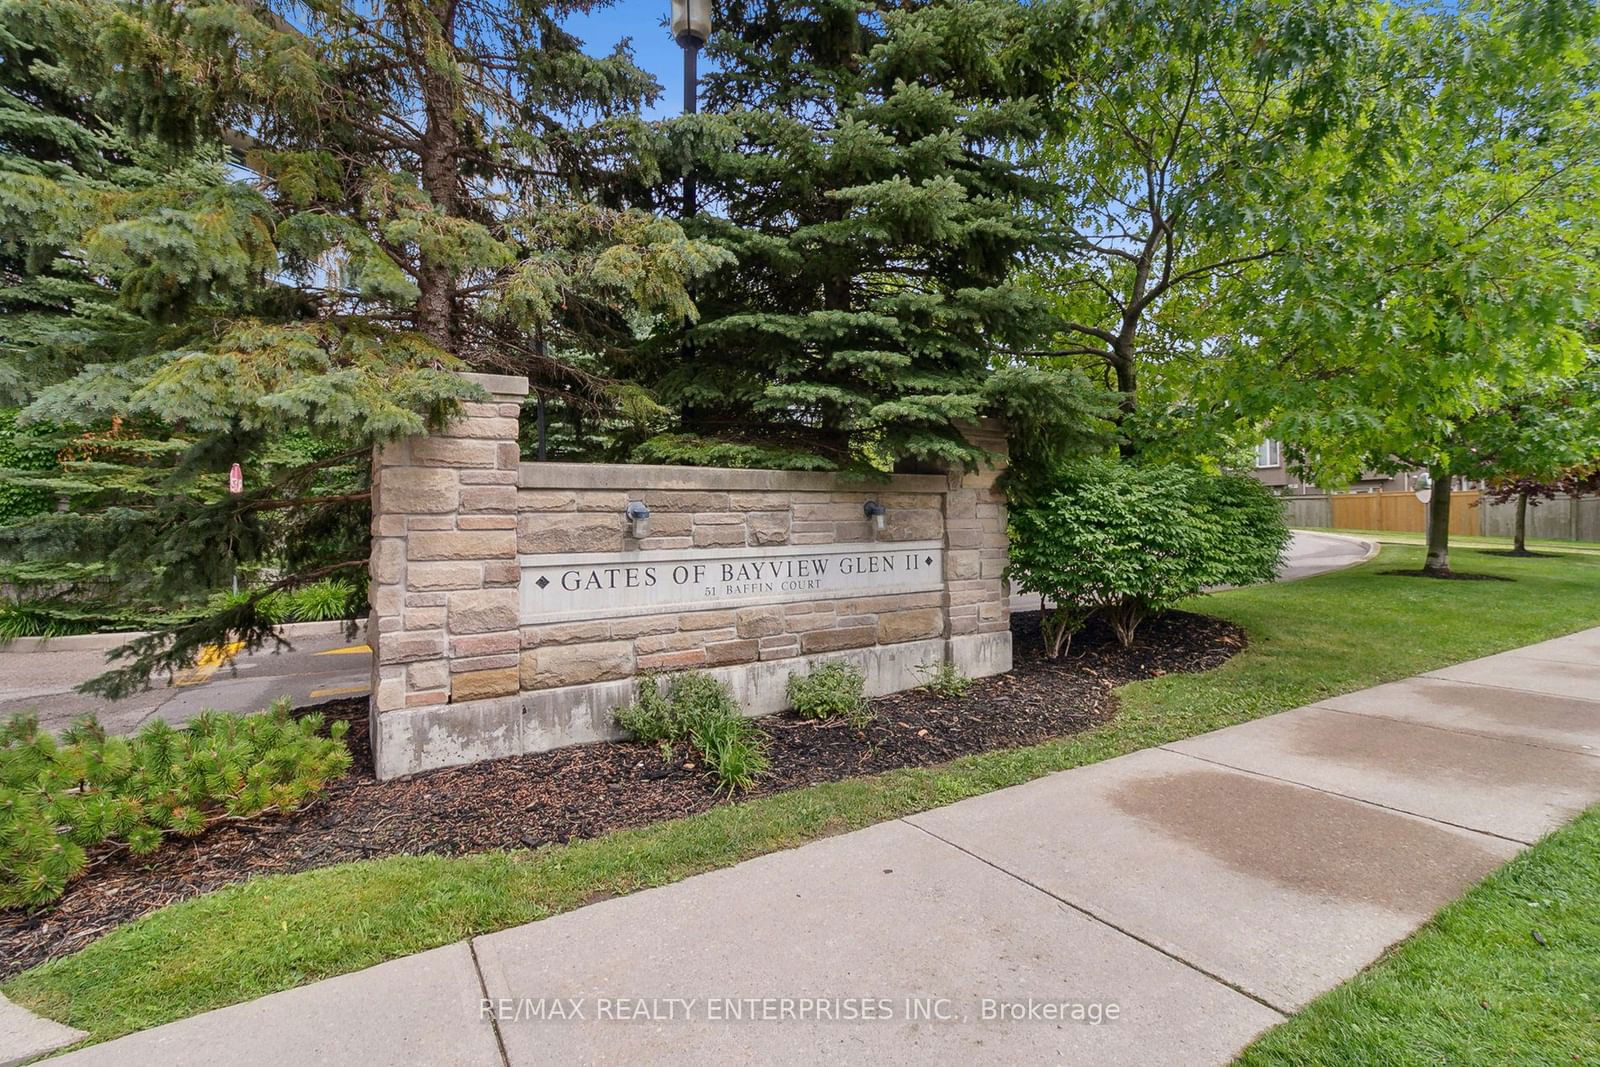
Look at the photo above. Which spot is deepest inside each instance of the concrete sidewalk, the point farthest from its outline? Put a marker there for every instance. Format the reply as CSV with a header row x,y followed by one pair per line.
x,y
1165,907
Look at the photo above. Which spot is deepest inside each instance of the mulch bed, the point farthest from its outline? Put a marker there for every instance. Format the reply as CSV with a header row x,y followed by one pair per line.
x,y
1453,576
588,790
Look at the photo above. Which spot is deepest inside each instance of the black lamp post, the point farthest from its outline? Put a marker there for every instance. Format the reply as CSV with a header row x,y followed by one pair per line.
x,y
691,28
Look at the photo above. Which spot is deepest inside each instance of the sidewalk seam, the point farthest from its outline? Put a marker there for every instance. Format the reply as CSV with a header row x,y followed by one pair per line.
x,y
1348,796
1435,676
1463,733
1168,953
483,987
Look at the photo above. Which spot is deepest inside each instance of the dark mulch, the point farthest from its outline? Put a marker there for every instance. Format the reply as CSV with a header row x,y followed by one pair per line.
x,y
1453,576
1514,554
587,790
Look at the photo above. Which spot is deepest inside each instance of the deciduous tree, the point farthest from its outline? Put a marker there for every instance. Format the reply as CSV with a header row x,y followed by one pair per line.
x,y
1458,274
1181,135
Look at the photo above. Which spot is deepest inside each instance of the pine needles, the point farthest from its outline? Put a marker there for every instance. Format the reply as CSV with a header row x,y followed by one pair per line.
x,y
60,796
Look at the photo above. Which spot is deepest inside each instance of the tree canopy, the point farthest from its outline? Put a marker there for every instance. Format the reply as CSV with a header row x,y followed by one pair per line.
x,y
863,163
317,215
1457,273
1179,142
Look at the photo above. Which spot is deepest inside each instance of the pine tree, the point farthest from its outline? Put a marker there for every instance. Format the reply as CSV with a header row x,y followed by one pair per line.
x,y
861,160
327,209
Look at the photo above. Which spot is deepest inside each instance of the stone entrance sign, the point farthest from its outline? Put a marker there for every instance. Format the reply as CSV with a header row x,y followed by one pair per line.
x,y
513,609
606,584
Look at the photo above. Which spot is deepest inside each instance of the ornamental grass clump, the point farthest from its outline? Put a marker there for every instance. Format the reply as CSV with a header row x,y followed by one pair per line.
x,y
61,796
698,710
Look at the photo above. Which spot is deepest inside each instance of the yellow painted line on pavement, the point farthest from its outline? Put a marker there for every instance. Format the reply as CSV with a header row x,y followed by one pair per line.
x,y
205,665
352,650
339,691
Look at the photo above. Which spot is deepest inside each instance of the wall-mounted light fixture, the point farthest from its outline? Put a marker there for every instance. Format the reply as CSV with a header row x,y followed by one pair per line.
x,y
638,519
877,513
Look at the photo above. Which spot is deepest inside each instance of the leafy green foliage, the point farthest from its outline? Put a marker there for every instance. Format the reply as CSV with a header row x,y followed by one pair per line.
x,y
1181,135
697,709
62,796
1127,541
835,690
328,600
17,452
1445,264
945,679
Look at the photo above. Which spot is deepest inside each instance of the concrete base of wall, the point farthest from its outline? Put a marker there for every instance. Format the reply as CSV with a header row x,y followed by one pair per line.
x,y
980,655
446,735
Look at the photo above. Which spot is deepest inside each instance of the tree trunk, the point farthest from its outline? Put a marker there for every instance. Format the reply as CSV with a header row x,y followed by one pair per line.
x,y
1128,386
438,154
1519,543
1437,563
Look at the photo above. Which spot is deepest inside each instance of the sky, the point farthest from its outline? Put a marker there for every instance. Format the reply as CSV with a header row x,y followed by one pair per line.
x,y
654,50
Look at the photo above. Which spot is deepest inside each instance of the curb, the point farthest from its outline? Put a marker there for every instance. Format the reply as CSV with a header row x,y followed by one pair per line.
x,y
106,642
1372,547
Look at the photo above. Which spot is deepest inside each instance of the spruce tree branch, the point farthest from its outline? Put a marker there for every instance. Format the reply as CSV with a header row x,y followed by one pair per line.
x,y
304,501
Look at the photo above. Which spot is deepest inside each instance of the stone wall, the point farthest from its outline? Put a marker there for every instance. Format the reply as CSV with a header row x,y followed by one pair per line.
x,y
513,610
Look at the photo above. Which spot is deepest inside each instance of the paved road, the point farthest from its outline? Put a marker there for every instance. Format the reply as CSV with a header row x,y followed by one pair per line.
x,y
1166,906
1318,553
320,666
323,665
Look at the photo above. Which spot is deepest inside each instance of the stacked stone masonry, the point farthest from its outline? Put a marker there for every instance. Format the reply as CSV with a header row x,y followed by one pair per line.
x,y
460,676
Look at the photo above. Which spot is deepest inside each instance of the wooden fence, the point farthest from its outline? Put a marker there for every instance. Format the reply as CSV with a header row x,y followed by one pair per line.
x,y
1562,519
1401,512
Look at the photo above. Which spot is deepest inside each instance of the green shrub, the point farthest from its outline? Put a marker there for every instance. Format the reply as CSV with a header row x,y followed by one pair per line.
x,y
833,690
60,796
18,451
699,710
652,718
328,600
945,679
1127,541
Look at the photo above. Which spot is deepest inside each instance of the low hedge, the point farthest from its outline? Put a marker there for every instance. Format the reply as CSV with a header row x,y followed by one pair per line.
x,y
1124,541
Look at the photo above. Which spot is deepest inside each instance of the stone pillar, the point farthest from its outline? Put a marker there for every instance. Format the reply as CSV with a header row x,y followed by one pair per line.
x,y
444,570
977,601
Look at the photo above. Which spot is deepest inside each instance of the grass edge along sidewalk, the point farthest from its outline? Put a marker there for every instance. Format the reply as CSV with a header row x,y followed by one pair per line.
x,y
1309,640
1510,973
1497,543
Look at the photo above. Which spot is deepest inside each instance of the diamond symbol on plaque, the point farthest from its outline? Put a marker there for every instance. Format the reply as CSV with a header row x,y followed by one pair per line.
x,y
542,582
929,561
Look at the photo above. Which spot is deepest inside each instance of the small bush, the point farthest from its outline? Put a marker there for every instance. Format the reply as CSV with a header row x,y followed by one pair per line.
x,y
652,718
1127,541
834,690
699,710
19,451
61,796
945,679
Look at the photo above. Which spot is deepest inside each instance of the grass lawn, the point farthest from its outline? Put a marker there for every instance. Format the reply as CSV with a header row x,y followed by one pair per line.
x,y
1474,985
1309,640
1503,544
